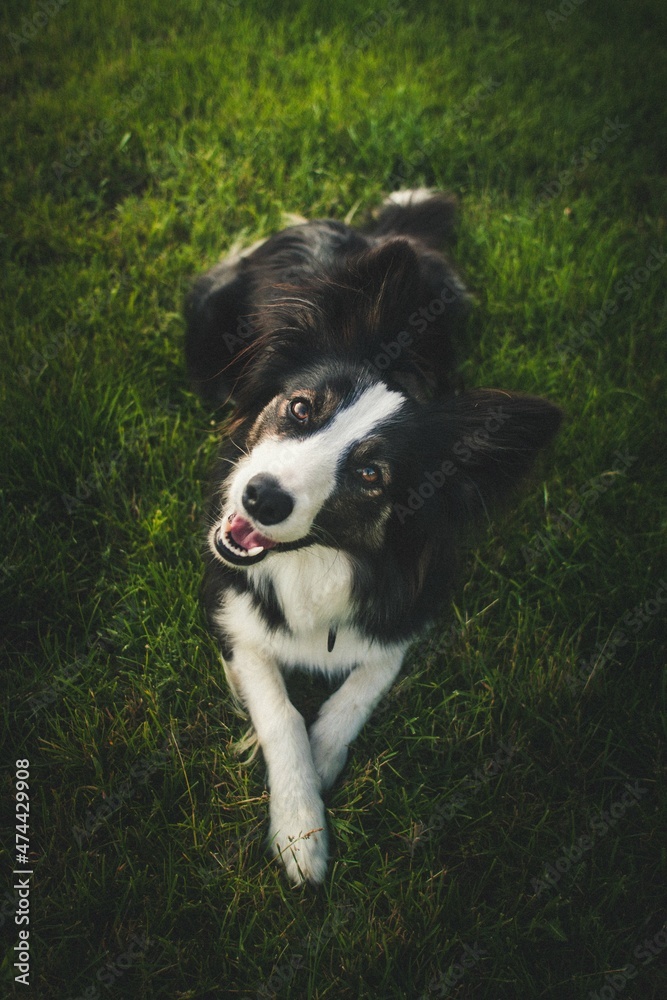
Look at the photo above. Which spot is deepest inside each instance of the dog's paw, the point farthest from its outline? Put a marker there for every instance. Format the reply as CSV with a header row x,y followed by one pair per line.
x,y
300,839
329,756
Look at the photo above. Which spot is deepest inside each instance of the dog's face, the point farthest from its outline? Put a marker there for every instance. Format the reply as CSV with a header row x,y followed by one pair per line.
x,y
321,463
342,458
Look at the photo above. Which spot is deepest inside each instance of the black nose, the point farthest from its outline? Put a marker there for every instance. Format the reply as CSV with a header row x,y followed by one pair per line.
x,y
266,500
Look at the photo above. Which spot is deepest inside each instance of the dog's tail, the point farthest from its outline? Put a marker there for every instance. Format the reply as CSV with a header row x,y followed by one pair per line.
x,y
422,213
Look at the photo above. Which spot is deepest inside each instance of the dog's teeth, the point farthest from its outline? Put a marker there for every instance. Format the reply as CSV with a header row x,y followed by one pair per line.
x,y
256,550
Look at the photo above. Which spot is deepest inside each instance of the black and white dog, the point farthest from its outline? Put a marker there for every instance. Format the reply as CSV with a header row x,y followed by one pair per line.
x,y
352,467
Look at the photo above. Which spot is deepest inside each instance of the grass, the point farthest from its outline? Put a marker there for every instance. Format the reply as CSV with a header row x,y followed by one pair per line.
x,y
141,140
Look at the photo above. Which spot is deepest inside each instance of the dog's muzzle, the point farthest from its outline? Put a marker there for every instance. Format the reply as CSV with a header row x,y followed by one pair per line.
x,y
240,541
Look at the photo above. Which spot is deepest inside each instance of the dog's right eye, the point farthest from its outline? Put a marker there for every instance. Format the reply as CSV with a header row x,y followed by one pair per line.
x,y
300,410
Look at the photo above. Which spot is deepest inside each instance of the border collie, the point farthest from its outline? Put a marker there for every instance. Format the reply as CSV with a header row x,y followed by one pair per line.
x,y
353,465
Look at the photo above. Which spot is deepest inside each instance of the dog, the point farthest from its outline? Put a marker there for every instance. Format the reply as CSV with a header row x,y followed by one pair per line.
x,y
353,466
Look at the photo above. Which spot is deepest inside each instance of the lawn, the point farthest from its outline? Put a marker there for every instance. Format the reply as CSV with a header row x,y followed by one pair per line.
x,y
499,830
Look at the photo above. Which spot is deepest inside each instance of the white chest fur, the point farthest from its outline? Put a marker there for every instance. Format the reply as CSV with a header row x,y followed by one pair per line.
x,y
313,587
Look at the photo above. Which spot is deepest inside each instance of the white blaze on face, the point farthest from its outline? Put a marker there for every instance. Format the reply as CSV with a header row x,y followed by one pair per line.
x,y
306,467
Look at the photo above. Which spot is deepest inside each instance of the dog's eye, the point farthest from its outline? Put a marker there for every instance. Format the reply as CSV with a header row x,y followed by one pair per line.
x,y
300,409
370,475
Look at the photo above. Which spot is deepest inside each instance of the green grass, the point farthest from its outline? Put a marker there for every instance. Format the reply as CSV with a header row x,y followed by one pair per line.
x,y
201,124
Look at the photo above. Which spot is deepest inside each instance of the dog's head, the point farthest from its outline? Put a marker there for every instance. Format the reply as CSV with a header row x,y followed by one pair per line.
x,y
348,431
345,458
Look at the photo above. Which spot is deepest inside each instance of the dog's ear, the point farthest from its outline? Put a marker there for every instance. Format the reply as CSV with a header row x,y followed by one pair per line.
x,y
388,278
217,333
410,304
473,449
488,440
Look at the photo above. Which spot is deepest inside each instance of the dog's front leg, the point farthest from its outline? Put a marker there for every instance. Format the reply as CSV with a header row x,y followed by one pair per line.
x,y
345,712
297,831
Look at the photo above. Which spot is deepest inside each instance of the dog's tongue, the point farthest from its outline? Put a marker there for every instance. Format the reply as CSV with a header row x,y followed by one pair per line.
x,y
246,536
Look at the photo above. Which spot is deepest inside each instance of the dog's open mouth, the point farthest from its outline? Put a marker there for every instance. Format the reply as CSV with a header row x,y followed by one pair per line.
x,y
240,543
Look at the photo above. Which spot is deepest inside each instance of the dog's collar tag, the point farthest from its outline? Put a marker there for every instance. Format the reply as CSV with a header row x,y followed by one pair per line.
x,y
332,639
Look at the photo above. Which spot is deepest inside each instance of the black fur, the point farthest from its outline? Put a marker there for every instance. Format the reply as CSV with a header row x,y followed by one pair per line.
x,y
324,289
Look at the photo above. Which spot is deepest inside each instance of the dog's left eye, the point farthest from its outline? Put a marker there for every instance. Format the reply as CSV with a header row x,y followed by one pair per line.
x,y
370,475
300,409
